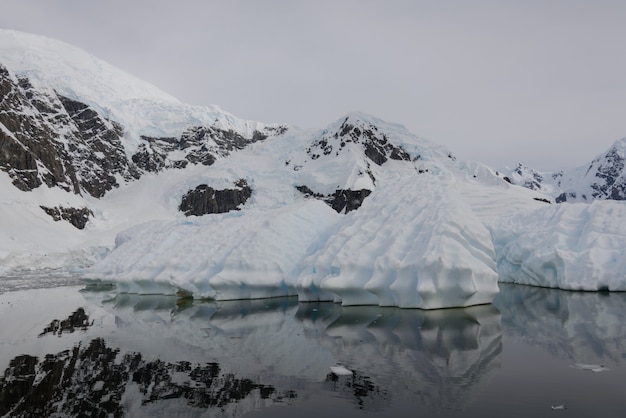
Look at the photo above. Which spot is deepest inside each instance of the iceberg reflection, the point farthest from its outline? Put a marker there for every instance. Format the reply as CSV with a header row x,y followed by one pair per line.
x,y
583,327
438,356
150,355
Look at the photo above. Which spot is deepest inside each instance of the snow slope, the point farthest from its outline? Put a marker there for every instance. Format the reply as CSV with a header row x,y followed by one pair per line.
x,y
140,107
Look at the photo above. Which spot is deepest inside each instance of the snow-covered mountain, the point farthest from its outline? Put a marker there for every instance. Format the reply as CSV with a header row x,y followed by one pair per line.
x,y
604,178
105,176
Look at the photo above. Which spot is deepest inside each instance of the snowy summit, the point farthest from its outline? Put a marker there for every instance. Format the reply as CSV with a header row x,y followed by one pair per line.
x,y
105,177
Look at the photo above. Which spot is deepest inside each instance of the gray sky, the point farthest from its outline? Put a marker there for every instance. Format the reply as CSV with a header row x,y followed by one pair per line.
x,y
537,81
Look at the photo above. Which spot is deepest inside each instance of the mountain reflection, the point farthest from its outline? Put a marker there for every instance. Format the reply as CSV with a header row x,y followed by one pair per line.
x,y
156,355
584,327
78,320
94,380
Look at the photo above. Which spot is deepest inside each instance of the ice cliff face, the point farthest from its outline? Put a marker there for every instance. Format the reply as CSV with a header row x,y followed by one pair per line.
x,y
105,176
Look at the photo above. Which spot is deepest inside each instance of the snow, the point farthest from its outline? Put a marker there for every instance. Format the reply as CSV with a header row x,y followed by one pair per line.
x,y
140,107
603,178
412,244
569,246
433,233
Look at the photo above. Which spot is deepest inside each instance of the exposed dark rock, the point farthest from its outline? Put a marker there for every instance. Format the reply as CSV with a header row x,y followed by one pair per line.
x,y
564,197
60,142
77,217
152,154
375,144
204,200
309,193
341,200
200,145
98,151
347,200
540,199
29,149
57,141
611,183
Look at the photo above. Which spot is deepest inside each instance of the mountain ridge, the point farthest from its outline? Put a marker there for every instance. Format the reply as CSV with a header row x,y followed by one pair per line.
x,y
603,178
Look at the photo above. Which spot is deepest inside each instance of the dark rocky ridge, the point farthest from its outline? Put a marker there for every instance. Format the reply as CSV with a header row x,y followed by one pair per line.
x,y
204,200
49,139
77,217
341,200
603,179
29,150
52,140
375,144
611,177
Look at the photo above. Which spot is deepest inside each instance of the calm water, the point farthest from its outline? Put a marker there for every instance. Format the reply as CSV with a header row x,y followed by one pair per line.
x,y
67,352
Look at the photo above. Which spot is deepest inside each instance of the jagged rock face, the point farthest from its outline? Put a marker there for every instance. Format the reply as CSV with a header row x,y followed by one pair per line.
x,y
50,139
98,150
152,154
199,145
532,179
29,148
77,217
46,138
375,144
603,179
611,183
341,200
204,200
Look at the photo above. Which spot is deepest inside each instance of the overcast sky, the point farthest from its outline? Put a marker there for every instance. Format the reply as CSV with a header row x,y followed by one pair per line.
x,y
541,82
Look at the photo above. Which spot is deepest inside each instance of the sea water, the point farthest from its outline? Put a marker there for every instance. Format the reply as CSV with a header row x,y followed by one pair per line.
x,y
67,351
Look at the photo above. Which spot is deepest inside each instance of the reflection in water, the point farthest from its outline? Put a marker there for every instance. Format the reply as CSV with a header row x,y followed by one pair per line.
x,y
93,381
368,396
583,327
77,320
155,355
437,356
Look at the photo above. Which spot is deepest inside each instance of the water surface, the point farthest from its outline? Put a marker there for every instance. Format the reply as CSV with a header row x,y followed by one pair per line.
x,y
534,352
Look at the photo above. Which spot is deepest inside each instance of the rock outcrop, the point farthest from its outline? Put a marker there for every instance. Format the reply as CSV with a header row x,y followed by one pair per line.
x,y
204,200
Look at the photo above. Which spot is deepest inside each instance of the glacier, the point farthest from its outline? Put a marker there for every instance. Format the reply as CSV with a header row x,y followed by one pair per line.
x,y
574,246
360,212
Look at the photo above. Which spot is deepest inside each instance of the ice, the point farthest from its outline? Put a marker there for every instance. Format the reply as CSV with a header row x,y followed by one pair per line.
x,y
243,255
597,368
413,244
340,371
568,246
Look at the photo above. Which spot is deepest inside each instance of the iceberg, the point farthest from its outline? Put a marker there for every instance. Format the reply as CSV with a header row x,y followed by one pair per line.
x,y
413,244
575,246
240,255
